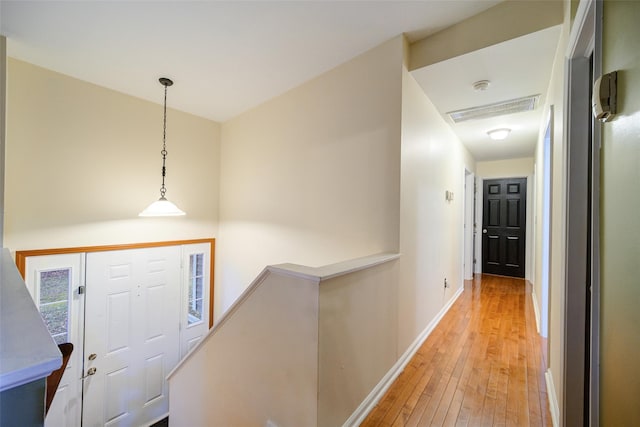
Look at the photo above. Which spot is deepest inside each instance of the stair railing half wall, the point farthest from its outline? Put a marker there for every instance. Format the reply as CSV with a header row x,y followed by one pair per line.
x,y
301,346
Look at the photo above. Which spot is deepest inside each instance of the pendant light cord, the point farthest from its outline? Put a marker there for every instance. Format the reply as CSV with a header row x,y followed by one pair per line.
x,y
163,190
163,207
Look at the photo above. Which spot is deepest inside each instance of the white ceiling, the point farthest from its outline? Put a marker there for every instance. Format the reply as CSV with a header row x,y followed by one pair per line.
x,y
516,68
225,57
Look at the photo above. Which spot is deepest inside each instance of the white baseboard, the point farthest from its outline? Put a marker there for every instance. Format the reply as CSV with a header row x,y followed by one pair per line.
x,y
536,310
381,388
553,399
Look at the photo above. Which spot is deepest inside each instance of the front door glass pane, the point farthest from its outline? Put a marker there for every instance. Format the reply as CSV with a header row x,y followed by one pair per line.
x,y
196,278
54,302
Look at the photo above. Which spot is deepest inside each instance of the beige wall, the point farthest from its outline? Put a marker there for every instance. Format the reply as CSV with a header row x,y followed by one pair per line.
x,y
356,348
83,161
431,243
507,20
505,168
620,232
312,177
259,365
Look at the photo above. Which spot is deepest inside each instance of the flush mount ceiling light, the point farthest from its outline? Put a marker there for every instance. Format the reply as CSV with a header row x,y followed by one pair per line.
x,y
498,134
163,207
511,106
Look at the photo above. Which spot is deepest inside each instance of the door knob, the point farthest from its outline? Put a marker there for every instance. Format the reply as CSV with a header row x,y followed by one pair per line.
x,y
91,371
93,356
484,231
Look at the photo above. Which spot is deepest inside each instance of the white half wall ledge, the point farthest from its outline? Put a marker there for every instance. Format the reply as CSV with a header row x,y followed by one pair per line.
x,y
27,351
333,270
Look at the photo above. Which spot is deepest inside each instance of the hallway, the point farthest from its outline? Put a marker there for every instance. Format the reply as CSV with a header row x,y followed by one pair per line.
x,y
481,366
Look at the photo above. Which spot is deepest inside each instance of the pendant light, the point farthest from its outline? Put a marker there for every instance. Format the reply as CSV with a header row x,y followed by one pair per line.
x,y
163,207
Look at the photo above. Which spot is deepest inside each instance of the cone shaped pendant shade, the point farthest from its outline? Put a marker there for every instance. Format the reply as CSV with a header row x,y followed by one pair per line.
x,y
163,207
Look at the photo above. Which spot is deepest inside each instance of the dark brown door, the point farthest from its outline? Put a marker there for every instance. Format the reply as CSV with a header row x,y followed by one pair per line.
x,y
503,226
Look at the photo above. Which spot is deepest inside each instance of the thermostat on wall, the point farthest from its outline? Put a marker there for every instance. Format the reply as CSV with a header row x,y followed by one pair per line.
x,y
604,97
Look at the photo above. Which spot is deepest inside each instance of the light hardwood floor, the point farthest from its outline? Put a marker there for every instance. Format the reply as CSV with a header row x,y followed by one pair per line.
x,y
481,366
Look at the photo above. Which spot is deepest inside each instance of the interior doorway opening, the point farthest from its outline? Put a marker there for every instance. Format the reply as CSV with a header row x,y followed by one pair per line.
x,y
546,228
469,224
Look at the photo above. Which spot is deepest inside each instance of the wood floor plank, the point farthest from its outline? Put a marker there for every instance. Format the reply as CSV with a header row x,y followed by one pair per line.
x,y
483,365
500,411
488,409
393,394
414,400
404,406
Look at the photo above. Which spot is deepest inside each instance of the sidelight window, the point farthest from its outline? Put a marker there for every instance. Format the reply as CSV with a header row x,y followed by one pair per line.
x,y
54,302
196,287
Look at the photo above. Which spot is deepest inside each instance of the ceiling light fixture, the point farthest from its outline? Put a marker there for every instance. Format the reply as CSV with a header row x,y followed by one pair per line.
x,y
498,134
163,207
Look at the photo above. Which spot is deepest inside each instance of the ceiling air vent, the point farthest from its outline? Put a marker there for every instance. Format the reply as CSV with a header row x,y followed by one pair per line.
x,y
518,105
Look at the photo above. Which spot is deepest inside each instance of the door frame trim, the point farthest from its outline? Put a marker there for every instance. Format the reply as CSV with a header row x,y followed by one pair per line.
x,y
477,269
21,257
546,209
584,40
469,224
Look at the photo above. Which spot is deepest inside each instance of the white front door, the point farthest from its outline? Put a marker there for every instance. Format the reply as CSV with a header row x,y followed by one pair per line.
x,y
54,282
145,308
131,334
